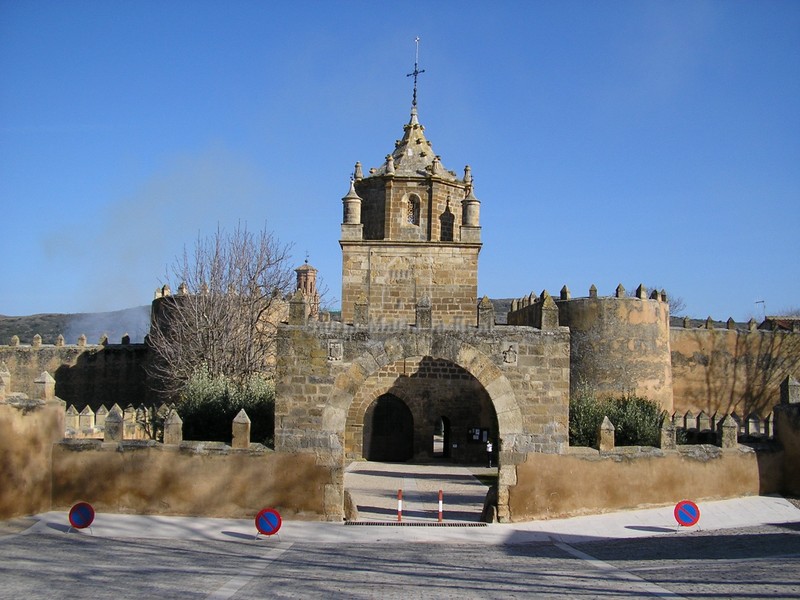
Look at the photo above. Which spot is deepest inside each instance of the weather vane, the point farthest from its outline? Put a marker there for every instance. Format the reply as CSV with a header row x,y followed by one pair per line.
x,y
416,71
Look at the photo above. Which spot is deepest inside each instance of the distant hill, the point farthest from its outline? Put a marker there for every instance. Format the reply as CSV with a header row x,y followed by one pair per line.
x,y
133,321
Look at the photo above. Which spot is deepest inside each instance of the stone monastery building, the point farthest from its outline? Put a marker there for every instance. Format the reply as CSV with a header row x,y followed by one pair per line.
x,y
419,368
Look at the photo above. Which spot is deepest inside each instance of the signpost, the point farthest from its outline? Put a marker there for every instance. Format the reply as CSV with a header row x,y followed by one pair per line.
x,y
687,513
81,515
268,522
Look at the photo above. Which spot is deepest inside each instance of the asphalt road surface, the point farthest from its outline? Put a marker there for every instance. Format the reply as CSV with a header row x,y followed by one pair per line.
x,y
758,562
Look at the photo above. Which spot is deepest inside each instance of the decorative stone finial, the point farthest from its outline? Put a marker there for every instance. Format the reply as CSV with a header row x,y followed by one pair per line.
x,y
358,173
605,435
241,431
593,291
565,294
486,314
173,429
620,293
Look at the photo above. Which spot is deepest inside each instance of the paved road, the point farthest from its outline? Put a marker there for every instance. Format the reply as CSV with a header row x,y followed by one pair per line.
x,y
748,548
46,562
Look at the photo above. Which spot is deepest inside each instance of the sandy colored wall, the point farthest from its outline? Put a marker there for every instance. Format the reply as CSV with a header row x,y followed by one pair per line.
x,y
552,486
26,441
725,371
158,479
84,375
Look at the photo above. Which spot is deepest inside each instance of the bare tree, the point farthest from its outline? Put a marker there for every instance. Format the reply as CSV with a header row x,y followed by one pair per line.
x,y
230,297
676,304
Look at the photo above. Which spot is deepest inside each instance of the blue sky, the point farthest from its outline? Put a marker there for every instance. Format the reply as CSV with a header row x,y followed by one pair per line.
x,y
654,142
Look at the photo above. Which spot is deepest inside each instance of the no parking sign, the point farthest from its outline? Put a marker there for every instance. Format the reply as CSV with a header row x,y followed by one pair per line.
x,y
687,513
268,521
81,515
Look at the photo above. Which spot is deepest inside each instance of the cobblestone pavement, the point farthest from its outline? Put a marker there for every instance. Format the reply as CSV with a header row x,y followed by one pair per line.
x,y
762,562
373,487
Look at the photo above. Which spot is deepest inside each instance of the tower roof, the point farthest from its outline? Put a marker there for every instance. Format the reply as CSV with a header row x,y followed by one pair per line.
x,y
413,154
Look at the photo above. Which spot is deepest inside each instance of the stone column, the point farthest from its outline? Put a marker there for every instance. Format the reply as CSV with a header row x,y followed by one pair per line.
x,y
605,435
790,391
241,431
485,313
173,429
545,315
5,381
113,429
667,438
728,433
297,309
45,387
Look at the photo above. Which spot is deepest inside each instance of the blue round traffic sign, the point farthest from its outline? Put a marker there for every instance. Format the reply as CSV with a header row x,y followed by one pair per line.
x,y
81,515
687,513
268,521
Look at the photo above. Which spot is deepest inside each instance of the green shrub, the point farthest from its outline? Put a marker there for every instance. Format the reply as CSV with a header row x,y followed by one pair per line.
x,y
637,421
208,405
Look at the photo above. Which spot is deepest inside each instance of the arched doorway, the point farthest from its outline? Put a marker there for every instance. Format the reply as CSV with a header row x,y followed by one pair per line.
x,y
388,430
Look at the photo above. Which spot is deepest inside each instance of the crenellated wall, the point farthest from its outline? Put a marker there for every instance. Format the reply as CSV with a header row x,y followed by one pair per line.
x,y
93,374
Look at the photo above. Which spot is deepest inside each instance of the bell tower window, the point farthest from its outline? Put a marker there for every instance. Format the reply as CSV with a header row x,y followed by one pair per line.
x,y
446,222
412,210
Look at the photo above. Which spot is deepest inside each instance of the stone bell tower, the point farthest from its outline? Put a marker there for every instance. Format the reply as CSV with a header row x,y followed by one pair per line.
x,y
410,234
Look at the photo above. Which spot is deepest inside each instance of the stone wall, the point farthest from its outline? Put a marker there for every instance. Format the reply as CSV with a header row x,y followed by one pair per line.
x,y
731,370
392,279
191,479
28,430
85,374
787,432
587,481
42,471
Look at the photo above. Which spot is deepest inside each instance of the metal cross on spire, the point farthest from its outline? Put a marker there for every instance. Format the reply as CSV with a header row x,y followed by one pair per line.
x,y
416,71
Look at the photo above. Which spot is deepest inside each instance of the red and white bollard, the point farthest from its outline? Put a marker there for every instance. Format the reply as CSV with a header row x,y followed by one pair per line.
x,y
399,505
440,506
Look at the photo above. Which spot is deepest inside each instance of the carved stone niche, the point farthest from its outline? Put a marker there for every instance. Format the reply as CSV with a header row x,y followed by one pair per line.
x,y
335,350
510,354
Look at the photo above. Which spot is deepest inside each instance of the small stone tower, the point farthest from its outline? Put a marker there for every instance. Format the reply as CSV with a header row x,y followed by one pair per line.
x,y
411,230
307,286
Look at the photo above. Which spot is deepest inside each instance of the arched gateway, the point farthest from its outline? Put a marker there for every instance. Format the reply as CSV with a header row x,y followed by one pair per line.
x,y
330,374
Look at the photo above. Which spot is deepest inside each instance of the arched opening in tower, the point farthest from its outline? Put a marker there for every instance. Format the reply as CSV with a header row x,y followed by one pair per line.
x,y
421,408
